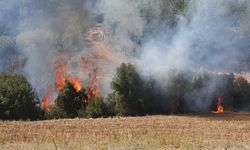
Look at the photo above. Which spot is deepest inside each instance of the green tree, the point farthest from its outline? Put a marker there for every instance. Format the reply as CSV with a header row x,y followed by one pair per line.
x,y
110,103
17,98
241,93
97,108
55,112
127,86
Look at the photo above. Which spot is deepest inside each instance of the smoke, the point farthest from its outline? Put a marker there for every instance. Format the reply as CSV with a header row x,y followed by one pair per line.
x,y
42,30
207,37
159,36
122,20
199,35
206,34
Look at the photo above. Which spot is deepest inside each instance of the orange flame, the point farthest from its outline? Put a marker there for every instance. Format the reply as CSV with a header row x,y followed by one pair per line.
x,y
76,83
220,108
92,90
88,65
46,99
60,79
61,76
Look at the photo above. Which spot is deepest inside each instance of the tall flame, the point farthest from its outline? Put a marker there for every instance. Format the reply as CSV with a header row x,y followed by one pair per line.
x,y
92,90
46,100
220,108
60,78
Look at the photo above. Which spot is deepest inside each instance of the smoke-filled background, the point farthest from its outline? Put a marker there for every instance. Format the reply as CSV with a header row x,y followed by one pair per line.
x,y
157,36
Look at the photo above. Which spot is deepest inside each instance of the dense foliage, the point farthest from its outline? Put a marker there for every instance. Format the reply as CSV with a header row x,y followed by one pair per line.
x,y
182,92
128,94
70,104
17,98
241,94
97,108
132,95
70,100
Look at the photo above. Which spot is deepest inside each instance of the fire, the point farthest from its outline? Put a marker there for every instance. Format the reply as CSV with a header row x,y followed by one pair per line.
x,y
87,66
60,78
220,108
46,100
76,83
92,89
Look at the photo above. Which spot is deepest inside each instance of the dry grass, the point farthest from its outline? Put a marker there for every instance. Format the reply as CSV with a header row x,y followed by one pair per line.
x,y
226,131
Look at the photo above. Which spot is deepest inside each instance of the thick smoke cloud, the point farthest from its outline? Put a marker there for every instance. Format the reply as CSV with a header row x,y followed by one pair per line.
x,y
206,35
43,29
122,20
184,35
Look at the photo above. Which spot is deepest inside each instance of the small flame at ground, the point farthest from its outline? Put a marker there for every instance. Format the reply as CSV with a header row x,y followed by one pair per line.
x,y
220,108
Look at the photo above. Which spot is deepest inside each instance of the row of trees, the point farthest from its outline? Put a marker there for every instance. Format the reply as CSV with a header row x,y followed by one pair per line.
x,y
18,100
131,95
179,92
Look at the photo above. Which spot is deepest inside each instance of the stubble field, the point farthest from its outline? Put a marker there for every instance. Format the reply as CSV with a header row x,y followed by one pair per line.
x,y
221,131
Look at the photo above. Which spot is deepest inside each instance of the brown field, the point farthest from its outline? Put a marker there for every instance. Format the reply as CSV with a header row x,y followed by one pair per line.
x,y
221,131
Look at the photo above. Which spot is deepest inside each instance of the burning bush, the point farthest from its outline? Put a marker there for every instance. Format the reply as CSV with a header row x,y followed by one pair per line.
x,y
17,98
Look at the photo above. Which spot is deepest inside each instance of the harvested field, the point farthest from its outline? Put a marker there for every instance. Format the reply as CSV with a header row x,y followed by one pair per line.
x,y
220,131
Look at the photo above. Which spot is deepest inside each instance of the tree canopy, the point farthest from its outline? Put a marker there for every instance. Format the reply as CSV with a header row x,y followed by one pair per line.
x,y
17,98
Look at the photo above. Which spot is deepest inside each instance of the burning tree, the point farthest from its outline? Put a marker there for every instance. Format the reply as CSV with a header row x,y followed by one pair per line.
x,y
72,95
63,80
70,100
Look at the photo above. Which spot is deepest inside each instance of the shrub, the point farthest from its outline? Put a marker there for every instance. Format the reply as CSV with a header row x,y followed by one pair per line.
x,y
55,113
